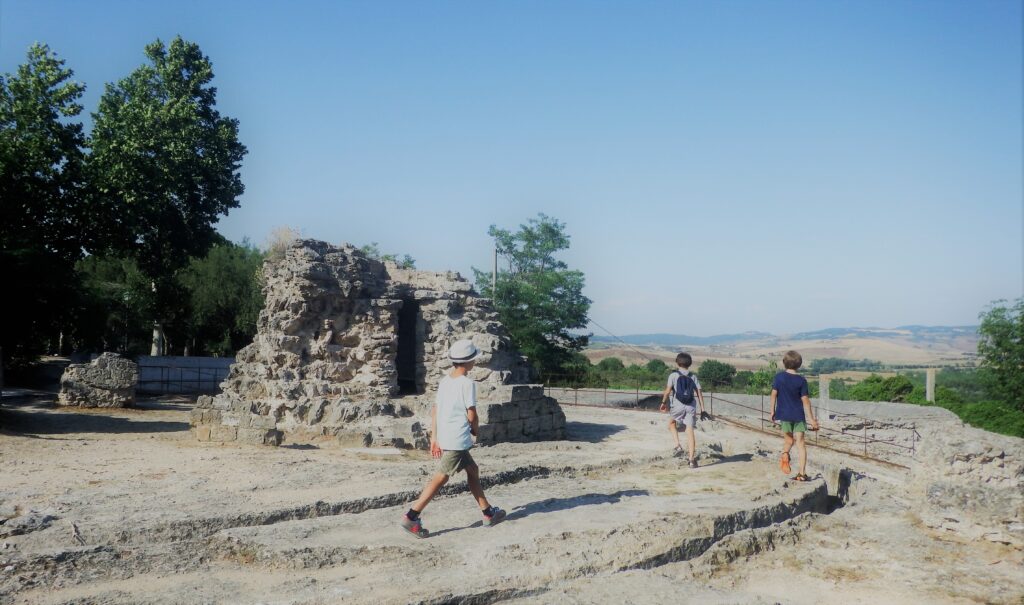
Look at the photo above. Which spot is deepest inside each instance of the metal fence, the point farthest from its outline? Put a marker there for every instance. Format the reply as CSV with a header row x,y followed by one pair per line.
x,y
164,380
856,443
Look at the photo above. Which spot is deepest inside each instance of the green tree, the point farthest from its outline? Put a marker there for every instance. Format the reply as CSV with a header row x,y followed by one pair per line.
x,y
116,305
538,298
761,381
42,214
611,364
657,367
714,373
1002,350
225,298
165,162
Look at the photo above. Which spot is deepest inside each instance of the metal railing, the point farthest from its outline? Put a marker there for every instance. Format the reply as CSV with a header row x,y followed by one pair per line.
x,y
826,437
174,379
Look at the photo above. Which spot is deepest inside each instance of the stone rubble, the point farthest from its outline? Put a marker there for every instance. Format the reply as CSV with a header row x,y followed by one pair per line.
x,y
352,348
971,482
106,382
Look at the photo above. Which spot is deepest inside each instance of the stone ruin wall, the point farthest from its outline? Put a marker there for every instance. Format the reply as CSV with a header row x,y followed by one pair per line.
x,y
353,348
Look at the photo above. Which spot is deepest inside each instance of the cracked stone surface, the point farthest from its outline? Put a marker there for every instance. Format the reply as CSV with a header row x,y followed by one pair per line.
x,y
142,513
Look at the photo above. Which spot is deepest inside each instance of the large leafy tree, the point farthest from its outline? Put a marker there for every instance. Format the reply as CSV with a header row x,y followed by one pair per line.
x,y
1002,350
539,299
43,225
165,162
225,298
714,373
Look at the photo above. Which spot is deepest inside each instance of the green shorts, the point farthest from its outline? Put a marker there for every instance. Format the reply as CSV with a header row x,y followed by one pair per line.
x,y
454,461
793,427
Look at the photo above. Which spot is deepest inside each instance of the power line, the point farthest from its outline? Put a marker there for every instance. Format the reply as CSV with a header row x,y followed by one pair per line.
x,y
638,351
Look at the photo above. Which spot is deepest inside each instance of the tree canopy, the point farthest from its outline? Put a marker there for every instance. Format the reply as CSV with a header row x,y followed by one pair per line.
x,y
539,299
1002,350
43,227
165,162
714,373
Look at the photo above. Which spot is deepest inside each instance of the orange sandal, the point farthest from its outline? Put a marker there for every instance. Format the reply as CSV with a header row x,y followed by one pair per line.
x,y
784,463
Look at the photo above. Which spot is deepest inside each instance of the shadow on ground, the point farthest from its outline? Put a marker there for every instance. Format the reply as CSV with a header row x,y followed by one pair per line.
x,y
733,458
591,432
35,416
551,505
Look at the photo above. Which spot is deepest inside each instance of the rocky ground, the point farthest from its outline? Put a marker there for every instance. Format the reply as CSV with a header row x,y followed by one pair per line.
x,y
124,506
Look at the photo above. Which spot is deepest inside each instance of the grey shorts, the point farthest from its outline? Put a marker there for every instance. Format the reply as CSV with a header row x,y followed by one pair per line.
x,y
454,461
683,414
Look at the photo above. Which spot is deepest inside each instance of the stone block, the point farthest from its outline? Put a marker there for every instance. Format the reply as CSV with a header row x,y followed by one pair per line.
x,y
212,416
204,401
531,425
259,422
485,435
489,412
559,419
196,416
258,436
546,423
230,419
559,434
543,436
510,411
221,432
499,432
203,432
513,429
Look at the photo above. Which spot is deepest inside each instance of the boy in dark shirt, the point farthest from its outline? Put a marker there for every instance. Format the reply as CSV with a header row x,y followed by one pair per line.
x,y
791,406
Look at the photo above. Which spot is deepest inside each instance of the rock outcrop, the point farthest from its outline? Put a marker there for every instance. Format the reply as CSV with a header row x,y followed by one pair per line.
x,y
971,482
351,347
106,382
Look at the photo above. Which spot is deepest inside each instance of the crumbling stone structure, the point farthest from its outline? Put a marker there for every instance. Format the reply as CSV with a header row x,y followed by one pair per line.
x,y
353,348
106,382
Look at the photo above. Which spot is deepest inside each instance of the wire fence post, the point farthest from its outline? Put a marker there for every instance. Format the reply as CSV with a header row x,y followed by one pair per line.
x,y
711,401
865,439
637,392
762,411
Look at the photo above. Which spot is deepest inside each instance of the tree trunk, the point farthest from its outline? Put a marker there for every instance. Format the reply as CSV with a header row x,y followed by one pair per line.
x,y
157,348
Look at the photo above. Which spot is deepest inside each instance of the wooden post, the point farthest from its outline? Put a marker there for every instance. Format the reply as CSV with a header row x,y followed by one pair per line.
x,y
929,385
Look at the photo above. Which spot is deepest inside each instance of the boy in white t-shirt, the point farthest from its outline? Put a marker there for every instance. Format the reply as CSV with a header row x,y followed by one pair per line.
x,y
454,423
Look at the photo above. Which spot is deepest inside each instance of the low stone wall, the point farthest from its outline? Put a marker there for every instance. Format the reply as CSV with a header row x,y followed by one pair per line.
x,y
516,413
520,413
106,382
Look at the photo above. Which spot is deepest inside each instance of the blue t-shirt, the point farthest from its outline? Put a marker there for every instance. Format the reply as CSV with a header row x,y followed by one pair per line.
x,y
788,405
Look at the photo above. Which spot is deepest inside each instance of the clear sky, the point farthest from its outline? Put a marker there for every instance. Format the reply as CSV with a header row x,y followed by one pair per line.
x,y
721,166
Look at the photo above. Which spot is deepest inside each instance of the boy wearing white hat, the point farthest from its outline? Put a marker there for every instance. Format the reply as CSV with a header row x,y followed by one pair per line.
x,y
453,425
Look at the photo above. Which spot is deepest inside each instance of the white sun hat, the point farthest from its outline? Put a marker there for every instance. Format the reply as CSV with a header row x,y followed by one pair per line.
x,y
463,351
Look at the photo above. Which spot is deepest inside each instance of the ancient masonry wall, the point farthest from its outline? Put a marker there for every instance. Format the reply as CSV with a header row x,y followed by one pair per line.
x,y
353,348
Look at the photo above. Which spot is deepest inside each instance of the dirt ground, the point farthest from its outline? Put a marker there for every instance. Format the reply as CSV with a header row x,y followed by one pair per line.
x,y
123,506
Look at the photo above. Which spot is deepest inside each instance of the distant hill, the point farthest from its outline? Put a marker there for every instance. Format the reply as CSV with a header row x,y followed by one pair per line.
x,y
918,333
915,333
670,340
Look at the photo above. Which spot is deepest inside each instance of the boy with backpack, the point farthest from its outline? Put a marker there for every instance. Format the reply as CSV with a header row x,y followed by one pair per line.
x,y
453,426
685,391
791,407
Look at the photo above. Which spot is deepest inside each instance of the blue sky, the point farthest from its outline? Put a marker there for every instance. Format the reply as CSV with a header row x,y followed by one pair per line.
x,y
721,166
